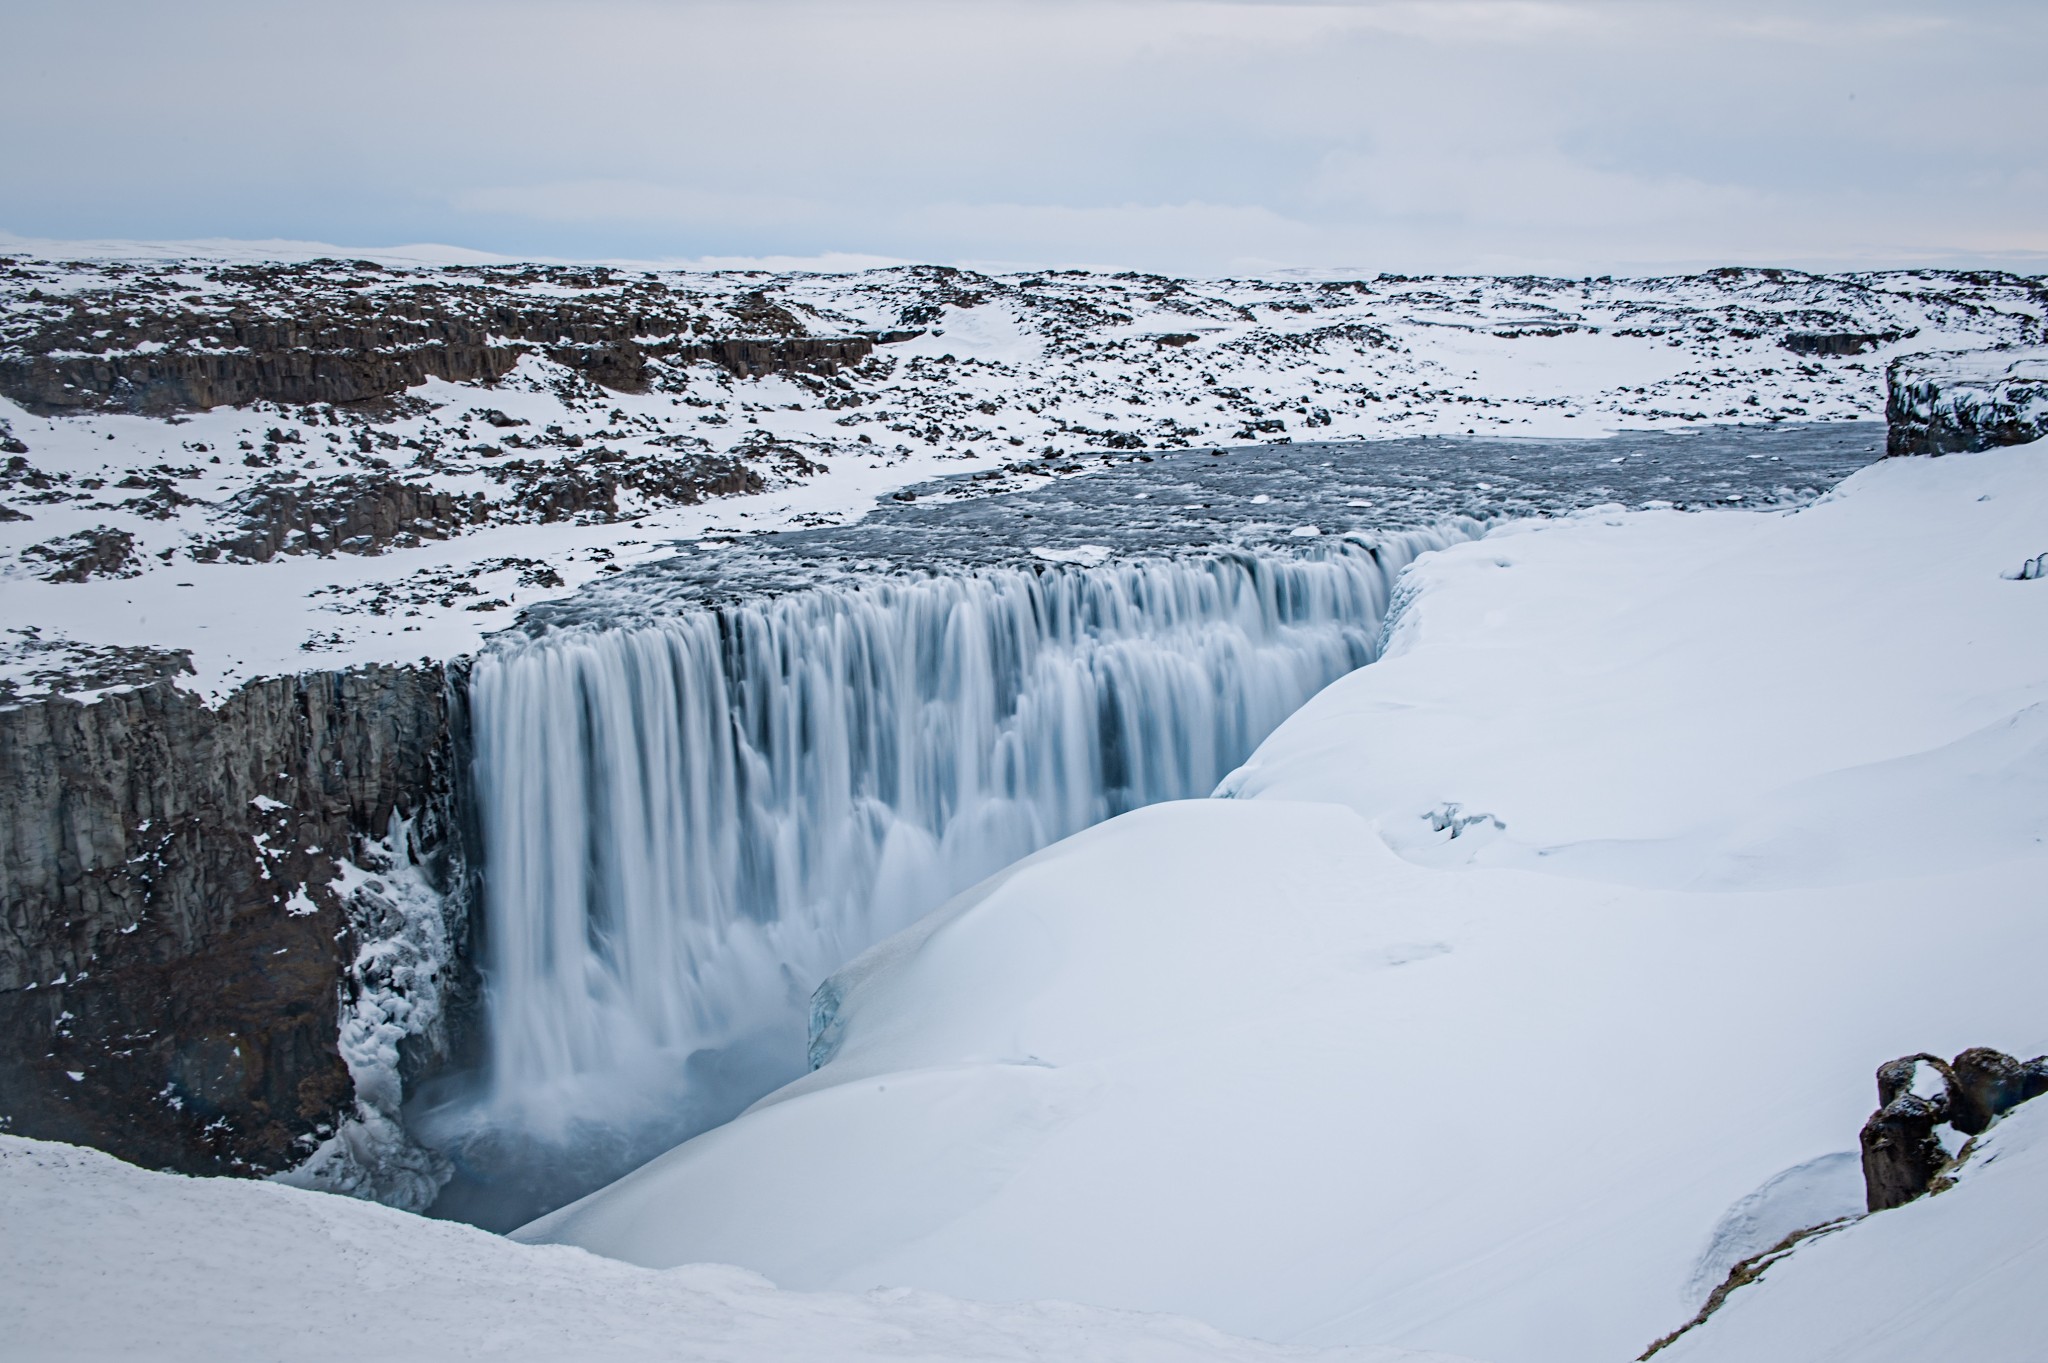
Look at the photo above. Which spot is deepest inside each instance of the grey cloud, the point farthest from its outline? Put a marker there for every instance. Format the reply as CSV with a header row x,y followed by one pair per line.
x,y
1581,134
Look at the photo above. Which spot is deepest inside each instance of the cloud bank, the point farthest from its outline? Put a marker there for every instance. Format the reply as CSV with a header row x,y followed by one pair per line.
x,y
1488,135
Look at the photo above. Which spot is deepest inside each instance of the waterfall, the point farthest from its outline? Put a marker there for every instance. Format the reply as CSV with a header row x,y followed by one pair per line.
x,y
689,824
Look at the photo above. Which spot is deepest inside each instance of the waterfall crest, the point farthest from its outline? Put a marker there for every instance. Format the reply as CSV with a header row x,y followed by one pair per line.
x,y
689,824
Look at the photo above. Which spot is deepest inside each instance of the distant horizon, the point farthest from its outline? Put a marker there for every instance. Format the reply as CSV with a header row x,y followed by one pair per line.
x,y
1201,138
434,255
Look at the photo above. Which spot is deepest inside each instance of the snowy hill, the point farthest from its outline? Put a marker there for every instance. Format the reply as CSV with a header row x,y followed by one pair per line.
x,y
385,460
1534,975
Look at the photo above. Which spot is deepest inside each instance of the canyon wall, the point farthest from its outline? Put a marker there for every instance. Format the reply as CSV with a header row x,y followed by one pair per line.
x,y
1946,404
185,892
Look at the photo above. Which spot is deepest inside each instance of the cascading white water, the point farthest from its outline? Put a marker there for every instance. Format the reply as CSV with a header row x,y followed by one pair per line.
x,y
689,824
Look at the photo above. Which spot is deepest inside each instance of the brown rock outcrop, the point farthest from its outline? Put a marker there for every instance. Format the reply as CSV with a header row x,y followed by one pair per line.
x,y
1902,1156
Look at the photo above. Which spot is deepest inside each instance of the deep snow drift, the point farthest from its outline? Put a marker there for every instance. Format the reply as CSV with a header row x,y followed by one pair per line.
x,y
104,1261
1533,974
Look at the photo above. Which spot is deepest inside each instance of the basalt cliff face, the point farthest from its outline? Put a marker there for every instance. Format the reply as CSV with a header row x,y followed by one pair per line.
x,y
148,343
185,891
1947,404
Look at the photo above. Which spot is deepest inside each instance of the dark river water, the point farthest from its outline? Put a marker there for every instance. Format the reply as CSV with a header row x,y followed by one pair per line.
x,y
1259,496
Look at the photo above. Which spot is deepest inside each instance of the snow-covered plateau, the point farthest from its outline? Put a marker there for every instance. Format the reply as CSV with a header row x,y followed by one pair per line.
x,y
245,467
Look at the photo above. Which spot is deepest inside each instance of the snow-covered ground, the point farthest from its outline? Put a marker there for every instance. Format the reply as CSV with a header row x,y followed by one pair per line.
x,y
1013,377
100,1260
1951,1277
1534,975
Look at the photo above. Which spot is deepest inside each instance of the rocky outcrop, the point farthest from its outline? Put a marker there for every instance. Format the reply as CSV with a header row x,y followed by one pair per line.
x,y
369,513
1948,404
1903,1157
359,514
332,333
1839,342
99,552
182,906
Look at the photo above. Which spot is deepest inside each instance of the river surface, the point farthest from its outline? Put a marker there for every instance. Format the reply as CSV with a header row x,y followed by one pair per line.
x,y
1258,496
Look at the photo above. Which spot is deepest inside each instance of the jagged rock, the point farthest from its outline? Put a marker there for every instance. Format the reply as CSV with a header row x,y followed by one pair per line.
x,y
1902,1158
172,950
358,515
1901,1154
1985,1084
1839,342
99,552
325,333
1947,404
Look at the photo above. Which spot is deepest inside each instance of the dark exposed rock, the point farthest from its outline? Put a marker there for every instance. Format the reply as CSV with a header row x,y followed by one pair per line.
x,y
46,667
172,950
560,494
1902,1157
305,335
1985,1083
1901,1154
1948,404
99,552
360,514
1839,342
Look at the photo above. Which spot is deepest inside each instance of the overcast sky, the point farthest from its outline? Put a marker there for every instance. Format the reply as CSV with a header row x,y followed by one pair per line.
x,y
1480,135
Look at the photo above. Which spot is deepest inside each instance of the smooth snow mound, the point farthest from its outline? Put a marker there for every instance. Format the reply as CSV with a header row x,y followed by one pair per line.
x,y
102,1260
1535,968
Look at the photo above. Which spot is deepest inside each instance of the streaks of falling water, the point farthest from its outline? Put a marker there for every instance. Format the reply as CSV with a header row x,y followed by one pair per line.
x,y
689,824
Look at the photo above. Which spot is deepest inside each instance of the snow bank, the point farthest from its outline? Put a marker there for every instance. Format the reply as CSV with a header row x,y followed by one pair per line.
x,y
102,1260
1953,1276
1535,969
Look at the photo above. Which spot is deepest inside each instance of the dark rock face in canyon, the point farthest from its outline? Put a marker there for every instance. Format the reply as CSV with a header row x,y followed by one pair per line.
x,y
1950,404
174,947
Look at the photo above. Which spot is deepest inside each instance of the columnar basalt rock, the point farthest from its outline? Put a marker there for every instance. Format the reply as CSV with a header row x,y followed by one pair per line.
x,y
174,945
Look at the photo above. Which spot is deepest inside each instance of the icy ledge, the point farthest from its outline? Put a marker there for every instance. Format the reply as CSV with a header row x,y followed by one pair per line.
x,y
392,992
